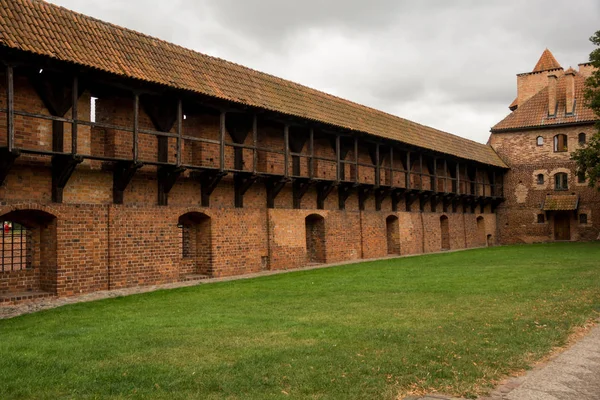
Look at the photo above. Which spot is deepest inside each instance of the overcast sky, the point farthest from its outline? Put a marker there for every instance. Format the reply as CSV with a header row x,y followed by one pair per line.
x,y
447,64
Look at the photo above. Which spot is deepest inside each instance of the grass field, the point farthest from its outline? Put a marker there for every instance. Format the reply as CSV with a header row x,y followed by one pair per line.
x,y
449,322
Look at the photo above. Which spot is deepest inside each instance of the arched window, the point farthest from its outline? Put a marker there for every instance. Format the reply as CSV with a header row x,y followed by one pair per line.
x,y
16,251
582,138
560,143
540,179
561,181
539,141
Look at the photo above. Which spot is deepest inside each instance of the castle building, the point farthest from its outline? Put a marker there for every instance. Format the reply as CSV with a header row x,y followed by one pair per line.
x,y
547,198
126,160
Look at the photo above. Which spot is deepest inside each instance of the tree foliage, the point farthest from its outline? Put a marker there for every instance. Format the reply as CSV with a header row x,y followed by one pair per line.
x,y
588,157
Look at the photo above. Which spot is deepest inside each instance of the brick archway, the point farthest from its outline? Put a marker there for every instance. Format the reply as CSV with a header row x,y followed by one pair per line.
x,y
315,239
445,232
392,225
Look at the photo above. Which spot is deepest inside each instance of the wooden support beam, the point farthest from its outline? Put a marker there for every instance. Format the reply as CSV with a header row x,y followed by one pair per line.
x,y
364,192
179,129
274,185
380,195
447,202
63,167
377,166
435,200
166,177
209,179
397,195
299,189
74,116
338,155
356,159
434,179
408,171
242,182
323,191
10,105
456,200
409,199
421,171
297,140
445,177
7,160
311,149
136,126
392,166
344,191
222,129
122,176
458,178
424,197
254,143
286,151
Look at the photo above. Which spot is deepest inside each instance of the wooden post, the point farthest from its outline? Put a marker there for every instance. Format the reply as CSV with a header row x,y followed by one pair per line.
x,y
356,159
338,158
457,177
10,115
222,141
311,145
377,167
408,171
420,171
179,131
286,157
74,115
391,166
254,143
435,180
445,176
136,117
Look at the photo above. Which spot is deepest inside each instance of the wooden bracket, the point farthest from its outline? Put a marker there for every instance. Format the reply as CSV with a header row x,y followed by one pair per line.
x,y
380,195
447,201
435,200
410,198
299,189
209,179
242,182
455,202
495,203
344,191
167,176
364,191
274,185
7,160
397,195
122,176
323,190
424,197
63,167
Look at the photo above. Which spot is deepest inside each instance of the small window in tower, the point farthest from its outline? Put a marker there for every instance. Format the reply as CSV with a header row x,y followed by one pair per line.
x,y
541,218
540,179
582,139
580,176
583,218
560,143
540,141
561,181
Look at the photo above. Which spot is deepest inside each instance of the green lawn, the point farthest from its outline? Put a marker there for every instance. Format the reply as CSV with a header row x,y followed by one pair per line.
x,y
451,322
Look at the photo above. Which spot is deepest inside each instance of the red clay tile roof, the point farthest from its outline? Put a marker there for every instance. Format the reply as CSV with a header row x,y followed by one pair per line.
x,y
565,202
534,112
41,28
546,62
514,105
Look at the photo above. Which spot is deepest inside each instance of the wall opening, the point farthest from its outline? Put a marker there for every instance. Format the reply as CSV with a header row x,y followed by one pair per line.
x,y
393,234
315,239
481,237
196,244
562,226
28,259
445,229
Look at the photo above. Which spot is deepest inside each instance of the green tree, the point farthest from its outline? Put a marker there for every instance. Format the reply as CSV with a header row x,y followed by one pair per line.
x,y
588,157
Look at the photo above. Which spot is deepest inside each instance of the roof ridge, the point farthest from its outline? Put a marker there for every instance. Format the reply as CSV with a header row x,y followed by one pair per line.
x,y
136,55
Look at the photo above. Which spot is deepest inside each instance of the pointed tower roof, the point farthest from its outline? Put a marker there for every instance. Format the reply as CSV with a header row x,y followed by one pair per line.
x,y
546,62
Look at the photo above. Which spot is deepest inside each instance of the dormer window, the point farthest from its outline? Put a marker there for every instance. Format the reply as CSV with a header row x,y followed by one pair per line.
x,y
539,141
560,143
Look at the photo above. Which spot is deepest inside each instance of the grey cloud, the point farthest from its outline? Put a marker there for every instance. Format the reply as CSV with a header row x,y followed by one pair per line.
x,y
451,65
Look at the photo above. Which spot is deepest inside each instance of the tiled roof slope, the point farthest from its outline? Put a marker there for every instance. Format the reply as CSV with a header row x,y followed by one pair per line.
x,y
534,112
38,27
565,202
546,62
